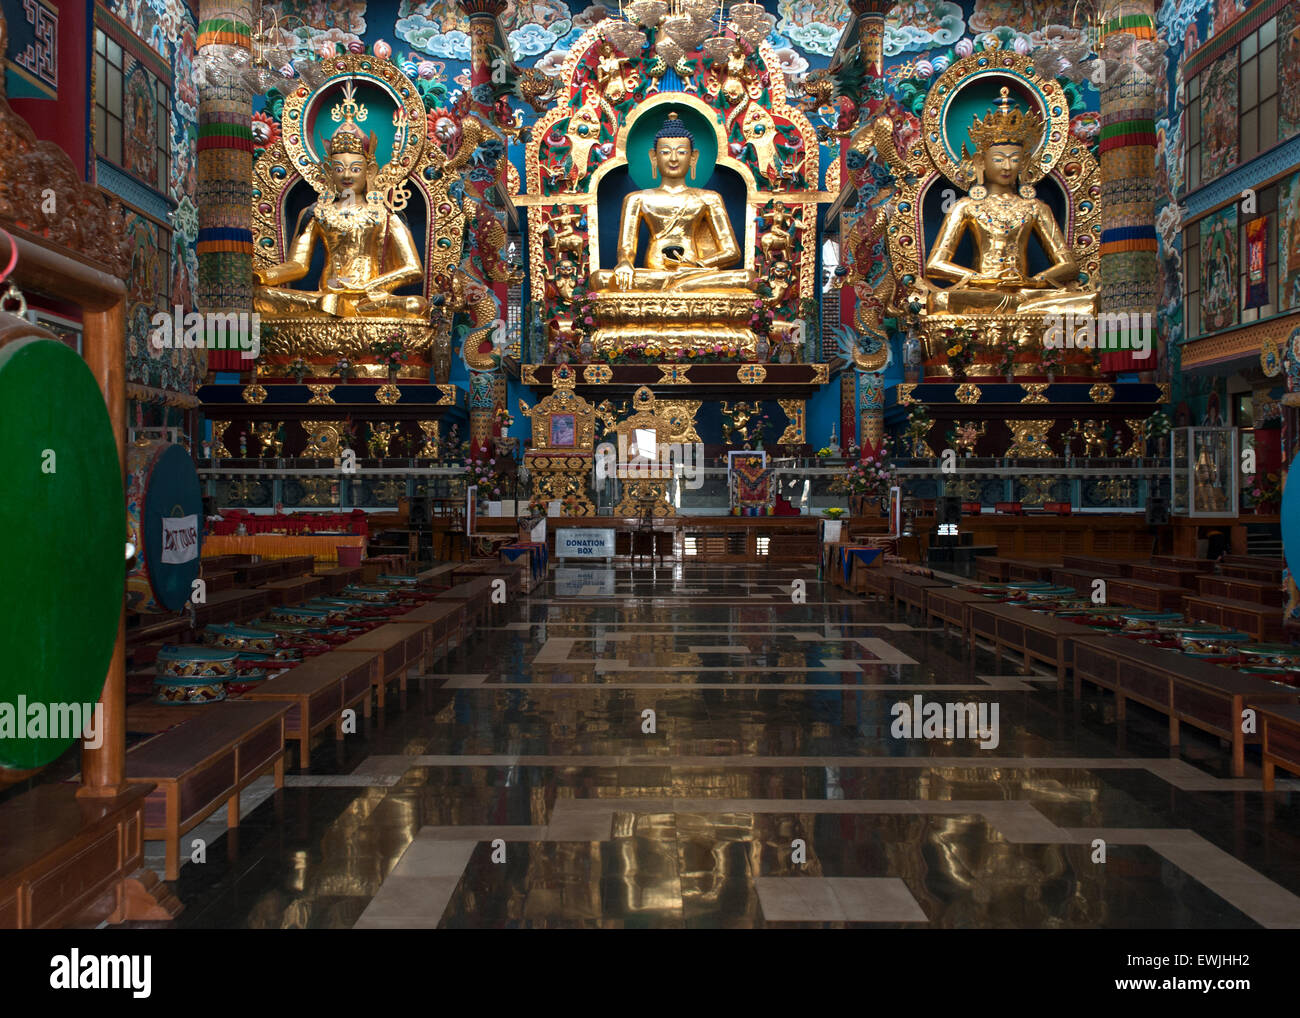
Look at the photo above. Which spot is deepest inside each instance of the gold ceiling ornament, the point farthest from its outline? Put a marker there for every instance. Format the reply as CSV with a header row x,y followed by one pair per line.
x,y
1137,429
322,438
321,392
905,390
432,437
795,411
681,415
219,450
967,392
1035,392
1101,392
253,394
597,374
751,374
1029,439
388,394
1037,490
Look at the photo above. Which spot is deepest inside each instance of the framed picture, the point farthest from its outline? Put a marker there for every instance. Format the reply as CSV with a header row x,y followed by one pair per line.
x,y
563,431
63,328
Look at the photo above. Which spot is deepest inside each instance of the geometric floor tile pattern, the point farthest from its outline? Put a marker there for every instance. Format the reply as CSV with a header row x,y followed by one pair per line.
x,y
521,785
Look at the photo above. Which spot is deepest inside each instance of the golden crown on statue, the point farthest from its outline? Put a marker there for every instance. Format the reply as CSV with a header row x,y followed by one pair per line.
x,y
349,138
1006,124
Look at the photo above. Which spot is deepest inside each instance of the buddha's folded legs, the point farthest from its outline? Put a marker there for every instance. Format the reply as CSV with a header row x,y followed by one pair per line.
x,y
958,300
275,300
694,280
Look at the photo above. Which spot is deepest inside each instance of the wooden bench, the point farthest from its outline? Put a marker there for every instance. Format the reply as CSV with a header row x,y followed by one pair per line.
x,y
297,565
1096,565
230,606
879,582
1172,576
910,589
1036,637
1238,588
951,606
1266,574
1263,622
254,574
1146,595
446,620
318,691
1080,580
67,861
399,646
1026,569
1185,689
337,578
294,590
218,579
200,764
476,593
1201,565
1280,734
992,569
156,629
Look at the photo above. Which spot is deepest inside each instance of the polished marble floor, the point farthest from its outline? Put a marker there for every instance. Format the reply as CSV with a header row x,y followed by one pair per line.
x,y
525,785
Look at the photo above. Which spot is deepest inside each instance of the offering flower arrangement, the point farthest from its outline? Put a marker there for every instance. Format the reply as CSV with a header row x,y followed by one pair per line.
x,y
483,473
299,368
653,353
390,350
1158,425
872,476
959,345
1264,489
1007,350
918,427
343,368
1052,358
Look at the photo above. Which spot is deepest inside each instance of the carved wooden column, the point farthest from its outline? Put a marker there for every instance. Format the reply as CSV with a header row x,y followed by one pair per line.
x,y
225,171
1130,276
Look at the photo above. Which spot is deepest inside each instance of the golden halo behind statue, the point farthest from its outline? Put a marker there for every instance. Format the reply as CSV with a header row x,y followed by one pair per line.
x,y
1006,68
302,102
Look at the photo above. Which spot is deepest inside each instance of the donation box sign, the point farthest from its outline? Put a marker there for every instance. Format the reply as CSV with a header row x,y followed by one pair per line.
x,y
584,542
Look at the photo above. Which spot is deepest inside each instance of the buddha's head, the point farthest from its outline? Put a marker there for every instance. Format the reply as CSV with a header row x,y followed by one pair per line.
x,y
673,154
350,153
1006,141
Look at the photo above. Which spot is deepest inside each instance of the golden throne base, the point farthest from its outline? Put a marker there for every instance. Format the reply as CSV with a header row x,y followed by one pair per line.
x,y
689,321
1027,330
321,339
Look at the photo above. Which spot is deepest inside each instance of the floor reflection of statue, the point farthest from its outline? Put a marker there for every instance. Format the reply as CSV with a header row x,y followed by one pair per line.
x,y
1001,217
369,251
691,239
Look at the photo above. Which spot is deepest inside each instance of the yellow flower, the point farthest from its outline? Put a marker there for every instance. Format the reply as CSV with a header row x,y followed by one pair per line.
x,y
953,351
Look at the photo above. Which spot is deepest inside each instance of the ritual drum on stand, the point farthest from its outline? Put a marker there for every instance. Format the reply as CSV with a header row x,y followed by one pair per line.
x,y
164,510
61,574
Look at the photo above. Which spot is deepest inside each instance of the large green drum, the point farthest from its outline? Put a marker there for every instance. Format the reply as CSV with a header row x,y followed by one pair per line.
x,y
62,571
164,518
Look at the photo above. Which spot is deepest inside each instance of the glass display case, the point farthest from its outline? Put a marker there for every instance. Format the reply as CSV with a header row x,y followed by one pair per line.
x,y
1204,472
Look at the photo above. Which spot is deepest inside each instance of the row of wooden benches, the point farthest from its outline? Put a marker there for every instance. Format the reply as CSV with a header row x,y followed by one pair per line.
x,y
1246,594
221,748
1186,690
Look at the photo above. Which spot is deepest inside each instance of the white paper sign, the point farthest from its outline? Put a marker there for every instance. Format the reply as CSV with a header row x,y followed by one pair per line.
x,y
832,532
584,542
180,539
555,507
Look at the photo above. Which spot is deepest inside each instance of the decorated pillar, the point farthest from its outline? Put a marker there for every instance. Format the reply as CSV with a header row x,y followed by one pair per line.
x,y
863,415
225,170
1130,275
487,389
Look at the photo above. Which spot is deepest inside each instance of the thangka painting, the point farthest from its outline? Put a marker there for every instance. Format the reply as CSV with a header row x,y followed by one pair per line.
x,y
1288,242
139,122
750,479
1288,71
1219,270
1219,106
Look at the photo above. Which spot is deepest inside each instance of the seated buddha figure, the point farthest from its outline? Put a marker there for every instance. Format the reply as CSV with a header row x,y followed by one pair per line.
x,y
692,244
1001,217
369,250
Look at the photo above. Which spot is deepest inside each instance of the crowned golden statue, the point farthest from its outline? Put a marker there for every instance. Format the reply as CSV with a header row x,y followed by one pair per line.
x,y
369,250
691,239
1001,216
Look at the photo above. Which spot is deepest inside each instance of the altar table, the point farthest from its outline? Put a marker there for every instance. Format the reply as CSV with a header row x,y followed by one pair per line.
x,y
324,548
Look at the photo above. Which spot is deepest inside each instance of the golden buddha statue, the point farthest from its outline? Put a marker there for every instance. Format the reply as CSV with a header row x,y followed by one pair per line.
x,y
369,250
691,239
1001,216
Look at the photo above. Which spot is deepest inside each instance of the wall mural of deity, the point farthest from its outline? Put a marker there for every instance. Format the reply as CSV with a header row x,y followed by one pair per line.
x,y
1219,270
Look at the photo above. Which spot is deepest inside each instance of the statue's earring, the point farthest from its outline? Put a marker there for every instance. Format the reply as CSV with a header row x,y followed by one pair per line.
x,y
654,169
1026,190
979,192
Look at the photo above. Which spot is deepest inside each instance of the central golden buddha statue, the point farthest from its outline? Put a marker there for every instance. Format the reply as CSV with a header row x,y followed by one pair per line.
x,y
685,292
1001,216
691,240
369,250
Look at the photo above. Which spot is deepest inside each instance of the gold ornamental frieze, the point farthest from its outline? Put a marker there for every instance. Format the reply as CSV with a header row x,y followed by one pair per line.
x,y
388,394
1029,439
322,393
314,339
253,394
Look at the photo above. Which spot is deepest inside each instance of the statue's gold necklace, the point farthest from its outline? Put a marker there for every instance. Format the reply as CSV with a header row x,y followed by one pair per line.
x,y
346,218
1001,213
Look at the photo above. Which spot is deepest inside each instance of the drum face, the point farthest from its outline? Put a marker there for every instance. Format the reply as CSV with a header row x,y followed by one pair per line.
x,y
62,508
165,517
